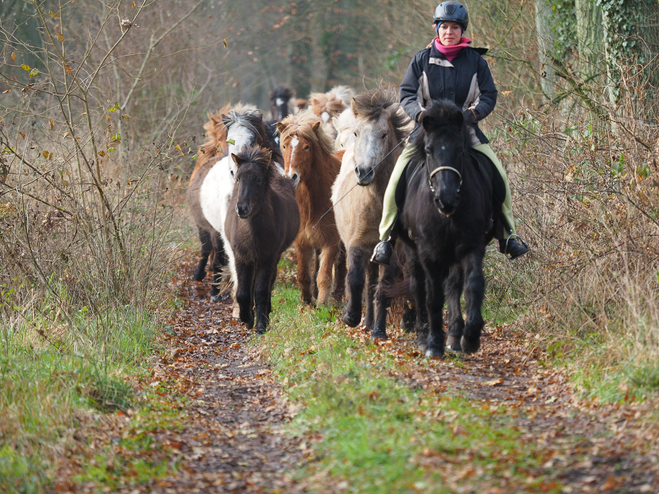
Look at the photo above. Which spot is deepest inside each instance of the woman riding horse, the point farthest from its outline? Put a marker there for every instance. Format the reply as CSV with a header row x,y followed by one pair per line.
x,y
449,69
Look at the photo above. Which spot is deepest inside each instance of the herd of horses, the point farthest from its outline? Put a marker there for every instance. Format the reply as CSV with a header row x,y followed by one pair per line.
x,y
314,176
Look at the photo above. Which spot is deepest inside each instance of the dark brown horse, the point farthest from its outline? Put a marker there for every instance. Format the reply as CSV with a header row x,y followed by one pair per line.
x,y
263,220
211,184
309,162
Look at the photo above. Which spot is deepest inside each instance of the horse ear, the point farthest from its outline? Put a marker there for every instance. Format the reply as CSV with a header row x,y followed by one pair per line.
x,y
315,126
238,160
427,122
280,127
353,106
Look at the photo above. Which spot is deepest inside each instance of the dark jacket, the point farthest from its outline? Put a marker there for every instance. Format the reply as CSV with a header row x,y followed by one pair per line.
x,y
466,80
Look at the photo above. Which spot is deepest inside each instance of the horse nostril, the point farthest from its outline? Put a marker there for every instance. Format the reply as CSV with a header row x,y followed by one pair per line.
x,y
439,203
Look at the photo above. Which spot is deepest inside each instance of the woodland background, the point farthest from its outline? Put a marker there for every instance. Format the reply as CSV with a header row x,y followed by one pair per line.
x,y
103,104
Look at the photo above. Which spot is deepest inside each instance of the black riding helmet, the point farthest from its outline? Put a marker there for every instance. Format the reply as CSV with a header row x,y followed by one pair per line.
x,y
452,12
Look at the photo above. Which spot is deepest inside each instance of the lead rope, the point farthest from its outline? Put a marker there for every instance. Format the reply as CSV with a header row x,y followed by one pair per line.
x,y
406,140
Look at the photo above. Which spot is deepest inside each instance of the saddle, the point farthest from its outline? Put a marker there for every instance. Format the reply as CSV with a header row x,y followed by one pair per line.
x,y
481,163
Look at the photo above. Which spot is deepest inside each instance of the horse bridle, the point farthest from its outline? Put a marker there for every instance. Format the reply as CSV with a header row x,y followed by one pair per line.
x,y
441,168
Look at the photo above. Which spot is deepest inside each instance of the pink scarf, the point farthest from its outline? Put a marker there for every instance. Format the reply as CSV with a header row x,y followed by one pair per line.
x,y
450,52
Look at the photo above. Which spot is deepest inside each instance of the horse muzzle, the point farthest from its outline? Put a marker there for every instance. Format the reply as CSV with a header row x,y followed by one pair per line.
x,y
445,209
243,210
295,178
364,175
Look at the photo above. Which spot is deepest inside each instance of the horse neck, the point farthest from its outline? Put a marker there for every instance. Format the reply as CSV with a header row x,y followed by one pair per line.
x,y
386,167
318,184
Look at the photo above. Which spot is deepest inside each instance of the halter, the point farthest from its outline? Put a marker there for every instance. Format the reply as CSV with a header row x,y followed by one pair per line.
x,y
439,169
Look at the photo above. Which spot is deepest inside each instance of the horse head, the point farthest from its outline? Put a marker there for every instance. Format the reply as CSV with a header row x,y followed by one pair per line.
x,y
378,129
252,178
282,102
445,147
302,138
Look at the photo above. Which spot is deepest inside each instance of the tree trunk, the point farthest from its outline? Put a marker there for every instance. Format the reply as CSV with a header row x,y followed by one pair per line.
x,y
545,36
590,37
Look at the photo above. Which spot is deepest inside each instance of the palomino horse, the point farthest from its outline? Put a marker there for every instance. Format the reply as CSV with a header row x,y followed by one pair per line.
x,y
264,220
328,105
309,162
211,184
380,126
282,102
451,211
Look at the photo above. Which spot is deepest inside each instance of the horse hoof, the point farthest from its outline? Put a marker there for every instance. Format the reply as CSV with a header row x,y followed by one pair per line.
x,y
470,346
453,344
353,322
248,319
432,352
199,275
379,334
216,298
261,329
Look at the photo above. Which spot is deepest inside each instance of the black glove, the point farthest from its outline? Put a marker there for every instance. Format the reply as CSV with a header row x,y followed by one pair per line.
x,y
469,116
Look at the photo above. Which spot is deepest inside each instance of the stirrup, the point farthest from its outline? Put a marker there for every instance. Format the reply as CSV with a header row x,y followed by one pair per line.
x,y
517,249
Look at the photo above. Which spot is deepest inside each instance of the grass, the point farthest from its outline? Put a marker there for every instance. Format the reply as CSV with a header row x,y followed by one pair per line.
x,y
56,375
378,434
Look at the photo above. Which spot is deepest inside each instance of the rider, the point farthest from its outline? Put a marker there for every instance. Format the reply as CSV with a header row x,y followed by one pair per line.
x,y
448,69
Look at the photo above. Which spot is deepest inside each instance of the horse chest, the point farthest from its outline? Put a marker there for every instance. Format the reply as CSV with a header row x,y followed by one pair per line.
x,y
215,193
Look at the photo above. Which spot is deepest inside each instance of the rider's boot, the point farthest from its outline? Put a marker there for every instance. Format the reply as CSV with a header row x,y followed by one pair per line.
x,y
512,248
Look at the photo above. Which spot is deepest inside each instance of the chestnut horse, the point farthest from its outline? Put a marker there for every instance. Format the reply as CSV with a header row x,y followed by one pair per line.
x,y
309,162
380,125
263,221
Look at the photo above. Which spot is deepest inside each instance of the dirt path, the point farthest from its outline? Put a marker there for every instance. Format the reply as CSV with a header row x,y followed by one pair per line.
x,y
233,438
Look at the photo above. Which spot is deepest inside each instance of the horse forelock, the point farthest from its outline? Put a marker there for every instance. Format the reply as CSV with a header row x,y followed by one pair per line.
x,y
252,120
301,125
255,155
369,106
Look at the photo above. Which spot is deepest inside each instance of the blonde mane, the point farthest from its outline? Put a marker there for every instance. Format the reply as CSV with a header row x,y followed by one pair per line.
x,y
301,124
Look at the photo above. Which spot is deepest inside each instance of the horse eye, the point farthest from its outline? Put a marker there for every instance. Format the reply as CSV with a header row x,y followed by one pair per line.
x,y
384,136
284,146
306,148
259,180
355,134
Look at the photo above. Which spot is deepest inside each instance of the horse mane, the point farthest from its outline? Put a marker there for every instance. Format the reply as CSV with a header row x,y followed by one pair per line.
x,y
329,102
257,155
344,93
302,124
252,119
371,104
443,115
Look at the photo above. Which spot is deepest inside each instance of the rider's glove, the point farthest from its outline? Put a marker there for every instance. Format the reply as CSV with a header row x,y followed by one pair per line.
x,y
469,116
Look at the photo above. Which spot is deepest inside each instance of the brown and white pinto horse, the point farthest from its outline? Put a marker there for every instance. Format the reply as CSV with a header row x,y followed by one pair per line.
x,y
309,162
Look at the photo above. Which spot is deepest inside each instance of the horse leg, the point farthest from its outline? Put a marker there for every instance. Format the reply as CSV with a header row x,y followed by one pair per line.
x,y
382,303
355,280
327,260
474,294
304,254
314,273
417,279
219,261
262,294
340,271
245,292
372,283
435,305
454,284
206,249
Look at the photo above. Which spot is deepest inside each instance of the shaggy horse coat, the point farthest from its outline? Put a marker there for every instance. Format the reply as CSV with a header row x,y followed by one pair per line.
x,y
211,183
450,213
380,125
263,221
309,162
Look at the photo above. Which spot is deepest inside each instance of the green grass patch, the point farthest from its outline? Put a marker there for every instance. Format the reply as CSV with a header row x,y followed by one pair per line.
x,y
378,433
55,372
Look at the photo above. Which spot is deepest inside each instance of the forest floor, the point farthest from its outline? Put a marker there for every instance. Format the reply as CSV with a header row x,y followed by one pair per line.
x,y
231,426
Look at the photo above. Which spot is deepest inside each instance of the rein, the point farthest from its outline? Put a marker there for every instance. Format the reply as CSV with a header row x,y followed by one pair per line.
x,y
439,169
407,139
